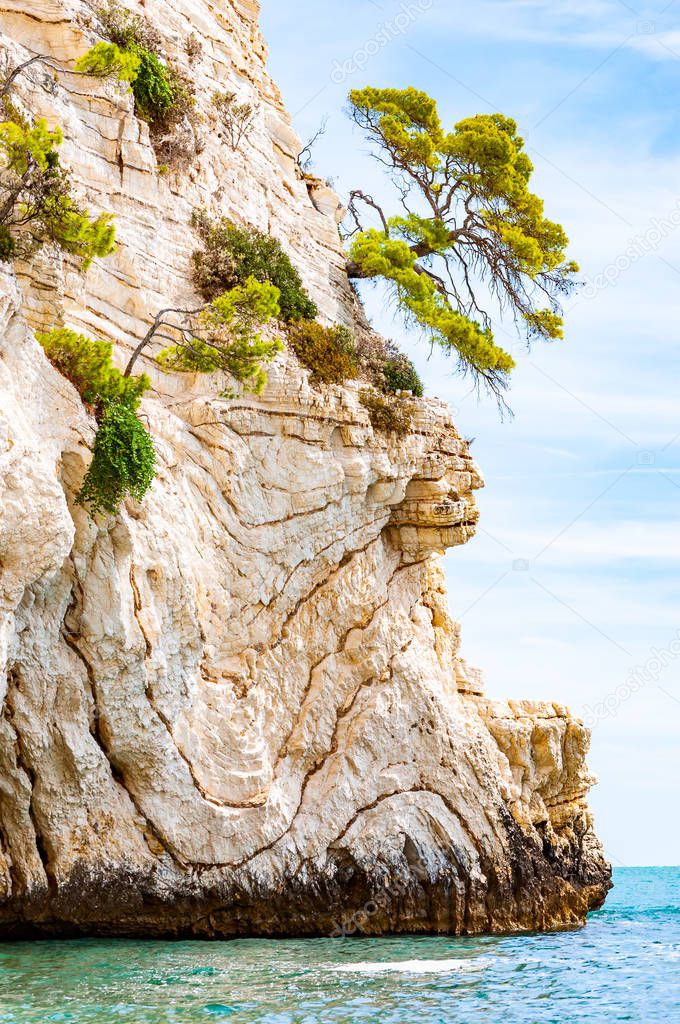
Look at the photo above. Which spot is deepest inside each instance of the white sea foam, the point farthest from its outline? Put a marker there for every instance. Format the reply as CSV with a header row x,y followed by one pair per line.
x,y
462,966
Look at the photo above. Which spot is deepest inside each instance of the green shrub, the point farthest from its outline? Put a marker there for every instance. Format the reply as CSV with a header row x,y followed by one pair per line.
x,y
7,244
104,59
36,192
123,457
164,97
400,374
123,461
152,87
87,364
139,40
329,352
126,29
226,337
389,416
235,119
231,254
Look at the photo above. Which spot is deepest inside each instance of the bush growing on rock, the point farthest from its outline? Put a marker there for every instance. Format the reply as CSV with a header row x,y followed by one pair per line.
x,y
222,336
126,29
231,254
89,367
123,457
164,97
7,244
388,416
329,352
193,47
399,374
235,119
123,461
152,87
386,367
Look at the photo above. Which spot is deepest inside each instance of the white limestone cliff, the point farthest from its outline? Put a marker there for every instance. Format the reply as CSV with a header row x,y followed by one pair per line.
x,y
240,707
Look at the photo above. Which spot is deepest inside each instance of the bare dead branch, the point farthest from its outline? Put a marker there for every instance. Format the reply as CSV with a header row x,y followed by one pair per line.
x,y
304,158
358,195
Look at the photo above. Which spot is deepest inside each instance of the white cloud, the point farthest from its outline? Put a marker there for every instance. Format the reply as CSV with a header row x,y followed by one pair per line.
x,y
587,545
600,24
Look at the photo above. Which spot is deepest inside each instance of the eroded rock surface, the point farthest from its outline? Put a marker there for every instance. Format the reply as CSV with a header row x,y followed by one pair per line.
x,y
240,707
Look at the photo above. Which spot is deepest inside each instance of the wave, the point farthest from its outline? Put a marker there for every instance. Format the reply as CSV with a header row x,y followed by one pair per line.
x,y
414,967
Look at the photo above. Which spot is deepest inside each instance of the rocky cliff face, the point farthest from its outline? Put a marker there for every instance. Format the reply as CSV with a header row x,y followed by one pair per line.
x,y
240,707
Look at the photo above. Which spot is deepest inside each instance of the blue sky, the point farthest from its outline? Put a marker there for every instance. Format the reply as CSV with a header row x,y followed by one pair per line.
x,y
572,587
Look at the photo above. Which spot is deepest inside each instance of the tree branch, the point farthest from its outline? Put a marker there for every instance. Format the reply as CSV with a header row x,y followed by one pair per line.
x,y
305,162
7,84
369,201
47,62
158,323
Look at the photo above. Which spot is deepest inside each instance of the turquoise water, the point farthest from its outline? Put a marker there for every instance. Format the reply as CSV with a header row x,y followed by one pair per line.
x,y
624,966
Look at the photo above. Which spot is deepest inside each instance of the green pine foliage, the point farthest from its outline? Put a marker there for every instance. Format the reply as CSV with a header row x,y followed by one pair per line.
x,y
24,146
123,457
123,461
227,337
107,59
75,232
231,254
36,195
88,365
471,222
329,352
393,259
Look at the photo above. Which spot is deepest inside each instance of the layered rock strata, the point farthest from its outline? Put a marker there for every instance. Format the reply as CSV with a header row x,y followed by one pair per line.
x,y
240,707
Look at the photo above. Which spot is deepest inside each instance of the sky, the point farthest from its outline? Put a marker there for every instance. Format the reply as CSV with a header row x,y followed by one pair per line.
x,y
571,590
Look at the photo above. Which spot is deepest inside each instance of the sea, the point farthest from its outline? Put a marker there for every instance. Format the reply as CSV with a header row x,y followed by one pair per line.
x,y
623,966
